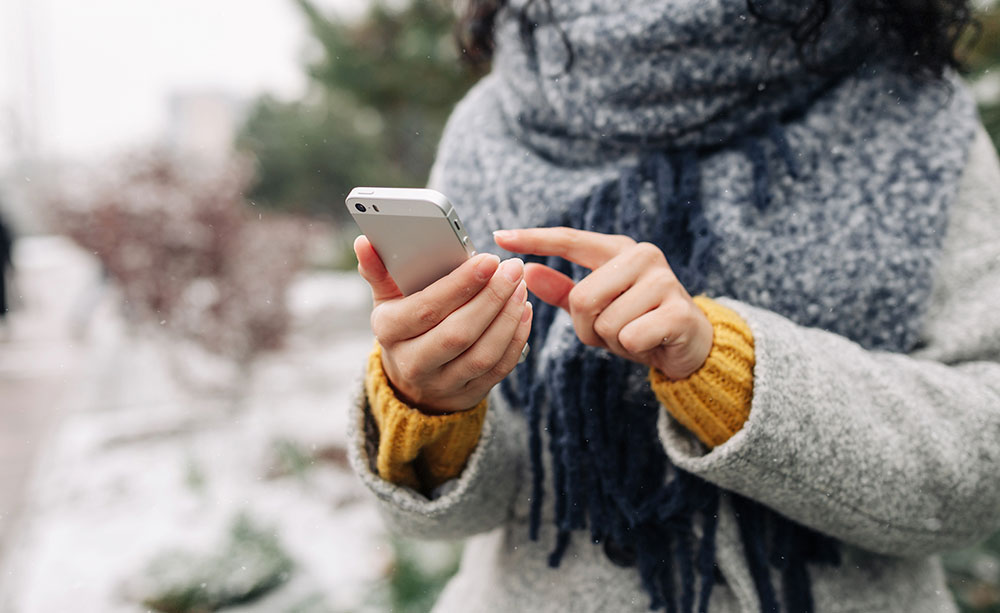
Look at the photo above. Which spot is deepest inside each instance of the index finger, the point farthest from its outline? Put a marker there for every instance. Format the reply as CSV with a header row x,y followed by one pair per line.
x,y
588,249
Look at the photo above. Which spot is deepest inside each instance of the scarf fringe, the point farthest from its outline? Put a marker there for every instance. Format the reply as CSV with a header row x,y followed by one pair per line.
x,y
609,475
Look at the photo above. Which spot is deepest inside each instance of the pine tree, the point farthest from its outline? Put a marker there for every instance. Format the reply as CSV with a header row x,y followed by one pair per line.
x,y
381,90
983,64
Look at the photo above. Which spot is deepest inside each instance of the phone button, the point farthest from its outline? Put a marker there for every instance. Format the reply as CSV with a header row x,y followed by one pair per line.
x,y
465,241
365,192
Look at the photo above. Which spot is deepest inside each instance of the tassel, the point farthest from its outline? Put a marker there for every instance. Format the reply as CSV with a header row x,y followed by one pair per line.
x,y
534,417
780,140
684,554
609,470
751,532
573,457
630,209
706,551
562,543
761,179
555,430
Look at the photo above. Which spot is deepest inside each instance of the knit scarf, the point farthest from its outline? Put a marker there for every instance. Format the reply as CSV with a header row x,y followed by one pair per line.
x,y
820,193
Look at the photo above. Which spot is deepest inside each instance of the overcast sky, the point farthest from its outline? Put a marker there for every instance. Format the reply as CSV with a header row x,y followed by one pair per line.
x,y
97,74
92,77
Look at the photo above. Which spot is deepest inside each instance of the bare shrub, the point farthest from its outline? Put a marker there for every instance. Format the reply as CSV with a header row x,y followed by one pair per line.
x,y
187,250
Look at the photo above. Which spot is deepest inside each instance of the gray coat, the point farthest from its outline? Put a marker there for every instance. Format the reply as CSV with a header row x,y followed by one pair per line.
x,y
897,456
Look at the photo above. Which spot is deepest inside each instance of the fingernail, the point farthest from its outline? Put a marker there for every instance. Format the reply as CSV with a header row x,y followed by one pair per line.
x,y
527,311
503,234
521,293
486,266
512,270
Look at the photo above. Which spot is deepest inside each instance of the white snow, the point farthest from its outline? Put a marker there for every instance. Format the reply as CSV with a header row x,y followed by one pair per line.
x,y
137,464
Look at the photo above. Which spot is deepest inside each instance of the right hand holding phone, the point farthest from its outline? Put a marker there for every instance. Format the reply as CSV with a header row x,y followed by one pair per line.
x,y
446,346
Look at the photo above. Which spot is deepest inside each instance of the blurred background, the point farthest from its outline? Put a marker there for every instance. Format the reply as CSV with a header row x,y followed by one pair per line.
x,y
182,327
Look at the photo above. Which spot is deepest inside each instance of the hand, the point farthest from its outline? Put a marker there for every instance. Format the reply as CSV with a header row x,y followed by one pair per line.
x,y
631,304
446,346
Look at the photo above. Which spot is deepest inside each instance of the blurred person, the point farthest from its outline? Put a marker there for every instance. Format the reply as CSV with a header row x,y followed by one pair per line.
x,y
811,429
6,268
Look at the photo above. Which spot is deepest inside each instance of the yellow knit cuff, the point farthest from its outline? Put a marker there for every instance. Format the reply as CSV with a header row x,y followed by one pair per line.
x,y
714,402
415,449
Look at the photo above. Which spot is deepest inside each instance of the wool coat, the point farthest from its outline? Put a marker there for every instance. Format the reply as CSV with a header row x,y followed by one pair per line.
x,y
897,456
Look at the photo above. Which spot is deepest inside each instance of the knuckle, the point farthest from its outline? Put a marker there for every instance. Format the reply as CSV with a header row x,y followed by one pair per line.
x,y
499,370
380,324
512,312
677,293
453,341
649,252
567,236
579,298
628,340
604,328
625,241
663,281
409,371
494,297
479,364
365,273
427,314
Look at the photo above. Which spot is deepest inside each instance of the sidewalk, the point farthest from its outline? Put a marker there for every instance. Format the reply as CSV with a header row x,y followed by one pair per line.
x,y
39,363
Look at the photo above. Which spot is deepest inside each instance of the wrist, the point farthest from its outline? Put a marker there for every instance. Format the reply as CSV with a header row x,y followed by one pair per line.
x,y
714,401
459,406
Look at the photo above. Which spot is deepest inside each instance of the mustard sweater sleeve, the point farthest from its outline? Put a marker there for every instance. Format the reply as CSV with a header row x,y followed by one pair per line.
x,y
415,449
714,402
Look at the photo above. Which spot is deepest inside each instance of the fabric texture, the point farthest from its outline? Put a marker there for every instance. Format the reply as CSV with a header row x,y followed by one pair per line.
x,y
714,402
693,126
414,449
816,202
895,454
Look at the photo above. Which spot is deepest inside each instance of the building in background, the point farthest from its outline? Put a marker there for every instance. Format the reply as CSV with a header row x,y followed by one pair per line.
x,y
203,123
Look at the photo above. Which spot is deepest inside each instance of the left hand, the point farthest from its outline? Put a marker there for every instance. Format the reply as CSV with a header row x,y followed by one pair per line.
x,y
631,304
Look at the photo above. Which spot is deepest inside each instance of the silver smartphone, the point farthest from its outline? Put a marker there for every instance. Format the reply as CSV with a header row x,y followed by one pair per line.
x,y
416,232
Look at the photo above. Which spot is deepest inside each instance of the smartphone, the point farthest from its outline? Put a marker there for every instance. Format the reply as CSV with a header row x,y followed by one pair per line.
x,y
416,232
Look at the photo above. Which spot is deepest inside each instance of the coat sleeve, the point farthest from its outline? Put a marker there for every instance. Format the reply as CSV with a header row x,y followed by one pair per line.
x,y
892,453
478,500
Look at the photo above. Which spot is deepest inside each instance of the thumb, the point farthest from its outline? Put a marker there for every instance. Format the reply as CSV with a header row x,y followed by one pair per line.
x,y
373,271
549,285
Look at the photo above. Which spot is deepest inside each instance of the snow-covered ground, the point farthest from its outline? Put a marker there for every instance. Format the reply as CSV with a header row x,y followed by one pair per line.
x,y
138,464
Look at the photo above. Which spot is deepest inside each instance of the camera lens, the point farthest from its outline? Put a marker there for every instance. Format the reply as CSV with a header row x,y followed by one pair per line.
x,y
359,206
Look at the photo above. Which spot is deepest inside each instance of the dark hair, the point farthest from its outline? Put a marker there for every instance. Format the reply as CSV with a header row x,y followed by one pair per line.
x,y
926,33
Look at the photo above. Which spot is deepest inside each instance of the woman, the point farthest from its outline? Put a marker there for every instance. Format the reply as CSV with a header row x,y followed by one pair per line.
x,y
806,434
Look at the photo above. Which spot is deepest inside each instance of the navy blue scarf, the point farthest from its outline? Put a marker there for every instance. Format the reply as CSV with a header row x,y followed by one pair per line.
x,y
609,474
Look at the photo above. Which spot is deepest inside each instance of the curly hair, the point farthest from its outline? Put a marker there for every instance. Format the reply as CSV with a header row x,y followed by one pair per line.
x,y
926,33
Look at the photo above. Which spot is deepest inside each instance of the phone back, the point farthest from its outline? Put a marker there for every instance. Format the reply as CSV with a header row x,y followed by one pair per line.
x,y
414,231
